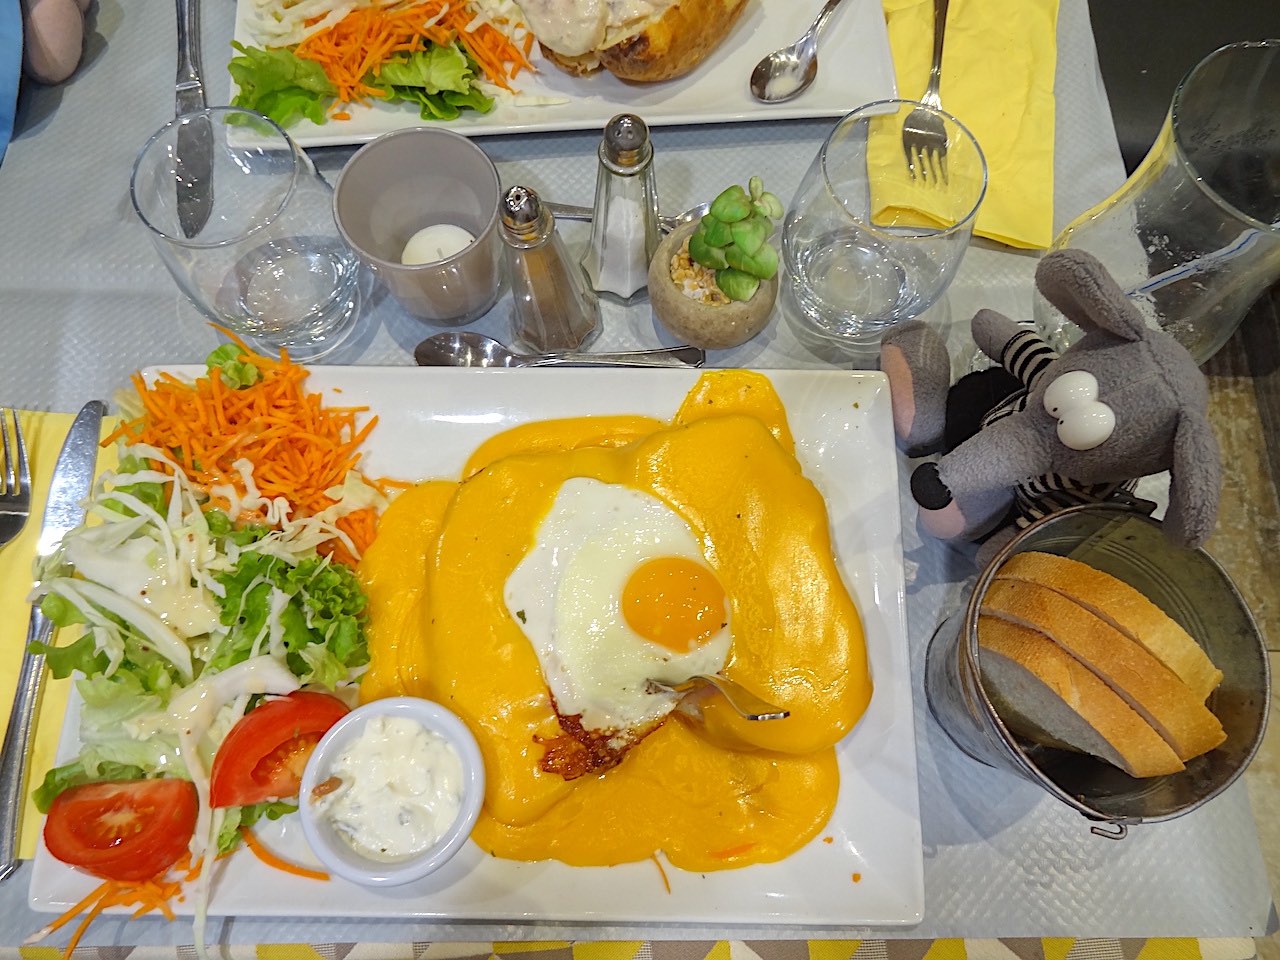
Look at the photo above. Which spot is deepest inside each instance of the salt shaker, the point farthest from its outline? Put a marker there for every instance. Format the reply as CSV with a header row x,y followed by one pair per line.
x,y
624,223
554,310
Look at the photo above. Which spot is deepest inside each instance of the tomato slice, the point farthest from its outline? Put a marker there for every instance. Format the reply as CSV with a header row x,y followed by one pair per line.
x,y
122,829
263,756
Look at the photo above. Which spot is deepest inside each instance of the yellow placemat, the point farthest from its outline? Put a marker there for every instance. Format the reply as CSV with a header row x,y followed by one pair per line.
x,y
44,433
998,65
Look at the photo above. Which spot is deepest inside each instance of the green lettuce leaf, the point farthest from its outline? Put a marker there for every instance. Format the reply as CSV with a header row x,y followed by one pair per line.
x,y
280,85
236,817
73,775
154,495
235,372
438,79
80,655
325,609
114,728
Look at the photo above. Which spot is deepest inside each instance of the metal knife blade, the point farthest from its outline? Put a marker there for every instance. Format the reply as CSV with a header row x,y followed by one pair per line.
x,y
72,481
193,153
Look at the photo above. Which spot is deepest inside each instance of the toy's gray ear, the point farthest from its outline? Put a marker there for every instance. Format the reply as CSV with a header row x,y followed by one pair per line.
x,y
1196,483
1079,285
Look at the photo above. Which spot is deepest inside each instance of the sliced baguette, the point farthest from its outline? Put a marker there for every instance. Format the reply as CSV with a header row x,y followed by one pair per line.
x,y
1128,668
1125,608
1047,695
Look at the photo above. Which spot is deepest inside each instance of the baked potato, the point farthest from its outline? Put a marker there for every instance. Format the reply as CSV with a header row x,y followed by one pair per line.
x,y
639,40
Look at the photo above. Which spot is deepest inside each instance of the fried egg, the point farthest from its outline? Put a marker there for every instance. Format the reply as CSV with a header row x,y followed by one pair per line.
x,y
614,592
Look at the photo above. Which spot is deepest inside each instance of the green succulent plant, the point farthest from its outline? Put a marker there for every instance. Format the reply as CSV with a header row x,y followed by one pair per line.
x,y
733,239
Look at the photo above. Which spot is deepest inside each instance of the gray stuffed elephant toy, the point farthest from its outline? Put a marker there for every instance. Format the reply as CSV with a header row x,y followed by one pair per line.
x,y
1041,431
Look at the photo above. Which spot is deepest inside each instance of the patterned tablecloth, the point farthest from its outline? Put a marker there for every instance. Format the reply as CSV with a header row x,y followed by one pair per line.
x,y
84,301
1047,948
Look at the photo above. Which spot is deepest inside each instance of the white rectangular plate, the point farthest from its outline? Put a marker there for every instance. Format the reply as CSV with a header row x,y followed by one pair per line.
x,y
865,868
856,68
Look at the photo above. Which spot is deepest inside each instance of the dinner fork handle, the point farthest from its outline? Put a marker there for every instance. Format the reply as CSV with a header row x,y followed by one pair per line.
x,y
17,742
935,71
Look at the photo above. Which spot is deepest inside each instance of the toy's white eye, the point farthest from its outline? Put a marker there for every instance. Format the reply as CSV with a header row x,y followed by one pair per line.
x,y
1084,422
1086,426
1070,389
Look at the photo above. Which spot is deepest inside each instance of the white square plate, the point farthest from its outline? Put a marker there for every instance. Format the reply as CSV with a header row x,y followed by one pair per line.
x,y
856,67
864,869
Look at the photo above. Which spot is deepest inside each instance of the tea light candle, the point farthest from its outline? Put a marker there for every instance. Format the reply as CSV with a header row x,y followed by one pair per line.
x,y
436,242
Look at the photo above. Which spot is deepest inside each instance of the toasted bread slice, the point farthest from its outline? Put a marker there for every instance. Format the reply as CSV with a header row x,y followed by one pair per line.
x,y
1125,608
1047,695
1128,668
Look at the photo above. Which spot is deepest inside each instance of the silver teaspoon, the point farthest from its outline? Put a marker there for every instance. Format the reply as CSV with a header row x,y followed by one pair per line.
x,y
742,700
787,73
466,348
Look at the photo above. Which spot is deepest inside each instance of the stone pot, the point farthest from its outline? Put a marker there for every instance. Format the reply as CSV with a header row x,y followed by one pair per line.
x,y
712,326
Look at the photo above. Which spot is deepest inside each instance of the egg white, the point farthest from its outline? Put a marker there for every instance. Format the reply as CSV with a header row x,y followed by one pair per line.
x,y
566,595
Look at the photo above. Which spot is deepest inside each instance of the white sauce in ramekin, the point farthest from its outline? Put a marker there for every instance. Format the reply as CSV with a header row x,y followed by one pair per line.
x,y
401,789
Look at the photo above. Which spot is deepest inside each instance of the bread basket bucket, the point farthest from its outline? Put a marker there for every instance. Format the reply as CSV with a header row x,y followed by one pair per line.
x,y
1190,587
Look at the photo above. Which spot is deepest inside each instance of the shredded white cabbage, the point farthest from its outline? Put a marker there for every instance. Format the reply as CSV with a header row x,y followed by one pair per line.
x,y
285,23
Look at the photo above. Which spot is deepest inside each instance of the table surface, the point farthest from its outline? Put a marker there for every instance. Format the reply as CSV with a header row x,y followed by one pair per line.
x,y
84,302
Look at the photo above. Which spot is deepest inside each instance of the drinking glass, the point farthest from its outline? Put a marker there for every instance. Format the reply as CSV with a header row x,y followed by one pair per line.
x,y
865,244
263,258
1194,235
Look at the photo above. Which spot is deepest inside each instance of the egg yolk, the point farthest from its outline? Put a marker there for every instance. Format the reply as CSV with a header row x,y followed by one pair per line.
x,y
674,602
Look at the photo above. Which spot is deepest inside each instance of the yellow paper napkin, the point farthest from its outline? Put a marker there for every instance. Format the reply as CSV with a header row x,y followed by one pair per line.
x,y
998,66
44,433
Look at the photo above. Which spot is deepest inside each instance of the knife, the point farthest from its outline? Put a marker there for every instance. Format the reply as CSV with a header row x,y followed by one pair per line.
x,y
193,153
72,481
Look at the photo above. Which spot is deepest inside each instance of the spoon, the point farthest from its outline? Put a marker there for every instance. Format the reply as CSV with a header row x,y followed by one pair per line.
x,y
469,349
787,73
742,700
570,211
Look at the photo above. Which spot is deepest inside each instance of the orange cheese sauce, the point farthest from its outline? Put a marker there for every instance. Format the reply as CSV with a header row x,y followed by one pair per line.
x,y
724,794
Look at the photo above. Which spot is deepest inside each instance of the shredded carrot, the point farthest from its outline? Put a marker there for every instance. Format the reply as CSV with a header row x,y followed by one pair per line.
x,y
661,871
149,896
354,49
298,447
271,860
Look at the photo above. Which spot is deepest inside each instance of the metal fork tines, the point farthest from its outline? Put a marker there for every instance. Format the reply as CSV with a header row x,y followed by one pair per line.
x,y
924,138
15,477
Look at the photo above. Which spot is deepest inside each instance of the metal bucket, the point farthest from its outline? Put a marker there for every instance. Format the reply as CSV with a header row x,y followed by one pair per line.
x,y
1189,586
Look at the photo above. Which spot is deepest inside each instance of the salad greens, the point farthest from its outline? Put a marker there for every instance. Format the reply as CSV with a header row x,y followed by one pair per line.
x,y
170,595
440,80
280,85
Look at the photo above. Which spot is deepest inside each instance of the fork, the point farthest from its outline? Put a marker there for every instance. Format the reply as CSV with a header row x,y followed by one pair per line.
x,y
924,138
15,478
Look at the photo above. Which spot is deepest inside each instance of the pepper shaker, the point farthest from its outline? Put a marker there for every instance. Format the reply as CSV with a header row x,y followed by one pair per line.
x,y
624,223
554,310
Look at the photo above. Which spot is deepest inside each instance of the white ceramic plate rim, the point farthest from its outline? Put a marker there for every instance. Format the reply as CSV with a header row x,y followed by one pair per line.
x,y
429,420
856,67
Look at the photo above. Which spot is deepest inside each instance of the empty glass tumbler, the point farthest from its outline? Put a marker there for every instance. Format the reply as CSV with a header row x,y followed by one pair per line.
x,y
1194,235
244,222
866,244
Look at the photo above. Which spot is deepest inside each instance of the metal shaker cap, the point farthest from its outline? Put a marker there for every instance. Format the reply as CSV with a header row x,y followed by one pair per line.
x,y
626,146
525,220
